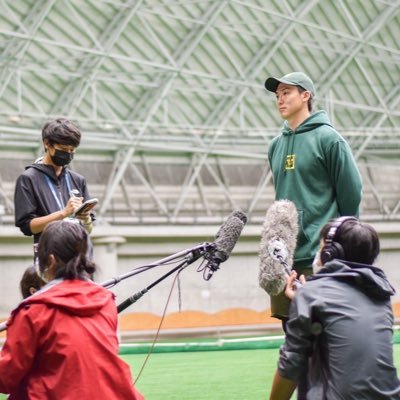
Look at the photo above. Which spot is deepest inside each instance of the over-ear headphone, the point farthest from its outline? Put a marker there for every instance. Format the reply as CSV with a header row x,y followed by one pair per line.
x,y
331,248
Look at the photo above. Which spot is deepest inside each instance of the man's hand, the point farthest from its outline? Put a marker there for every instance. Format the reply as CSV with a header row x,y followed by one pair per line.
x,y
290,290
73,204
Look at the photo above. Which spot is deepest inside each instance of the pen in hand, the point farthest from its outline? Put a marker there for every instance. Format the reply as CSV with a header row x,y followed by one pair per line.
x,y
74,193
76,199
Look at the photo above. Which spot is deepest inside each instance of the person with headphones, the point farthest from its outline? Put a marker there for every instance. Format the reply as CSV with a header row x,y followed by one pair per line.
x,y
341,321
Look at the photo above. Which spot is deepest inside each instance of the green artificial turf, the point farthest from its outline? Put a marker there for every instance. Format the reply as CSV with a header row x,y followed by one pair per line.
x,y
208,375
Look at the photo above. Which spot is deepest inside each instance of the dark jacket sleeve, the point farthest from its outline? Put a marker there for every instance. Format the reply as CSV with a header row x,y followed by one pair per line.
x,y
24,204
299,338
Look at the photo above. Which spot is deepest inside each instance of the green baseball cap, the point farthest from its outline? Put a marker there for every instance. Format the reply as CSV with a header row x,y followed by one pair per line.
x,y
294,78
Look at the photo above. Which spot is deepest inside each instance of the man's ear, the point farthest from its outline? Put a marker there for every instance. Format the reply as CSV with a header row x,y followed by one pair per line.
x,y
306,95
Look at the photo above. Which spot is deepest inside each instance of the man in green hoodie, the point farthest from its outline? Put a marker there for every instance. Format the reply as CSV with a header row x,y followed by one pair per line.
x,y
312,166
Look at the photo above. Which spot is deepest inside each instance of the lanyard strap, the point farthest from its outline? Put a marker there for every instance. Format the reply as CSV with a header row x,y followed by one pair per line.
x,y
58,199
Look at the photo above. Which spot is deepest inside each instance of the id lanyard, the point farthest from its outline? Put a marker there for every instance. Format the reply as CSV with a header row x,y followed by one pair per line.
x,y
59,199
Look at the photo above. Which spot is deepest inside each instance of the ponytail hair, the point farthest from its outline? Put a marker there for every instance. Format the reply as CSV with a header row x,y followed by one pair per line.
x,y
71,246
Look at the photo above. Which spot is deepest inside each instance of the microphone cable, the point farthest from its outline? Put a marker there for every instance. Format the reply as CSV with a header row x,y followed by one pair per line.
x,y
176,278
205,269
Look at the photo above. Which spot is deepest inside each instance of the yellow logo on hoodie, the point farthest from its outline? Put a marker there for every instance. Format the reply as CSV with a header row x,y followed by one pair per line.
x,y
290,161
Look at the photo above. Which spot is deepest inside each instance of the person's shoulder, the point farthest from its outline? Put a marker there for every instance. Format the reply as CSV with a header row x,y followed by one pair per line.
x,y
330,132
26,310
75,174
277,137
313,287
328,137
275,140
325,127
324,281
31,170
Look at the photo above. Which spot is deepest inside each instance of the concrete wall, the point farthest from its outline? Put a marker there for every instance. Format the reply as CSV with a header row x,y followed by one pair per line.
x,y
119,250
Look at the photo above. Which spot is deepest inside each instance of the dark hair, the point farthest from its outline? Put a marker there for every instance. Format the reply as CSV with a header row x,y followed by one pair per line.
x,y
310,100
360,241
30,279
70,244
61,131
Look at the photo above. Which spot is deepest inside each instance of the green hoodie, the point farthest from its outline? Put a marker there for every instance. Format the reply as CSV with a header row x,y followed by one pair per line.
x,y
314,168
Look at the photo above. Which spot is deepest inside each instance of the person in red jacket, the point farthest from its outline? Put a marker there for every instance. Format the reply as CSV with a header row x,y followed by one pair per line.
x,y
62,341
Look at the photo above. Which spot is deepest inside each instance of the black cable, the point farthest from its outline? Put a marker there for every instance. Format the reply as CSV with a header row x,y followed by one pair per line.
x,y
159,325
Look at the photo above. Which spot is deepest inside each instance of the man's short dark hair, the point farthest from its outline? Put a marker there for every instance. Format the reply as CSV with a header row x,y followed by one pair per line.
x,y
61,131
310,100
360,241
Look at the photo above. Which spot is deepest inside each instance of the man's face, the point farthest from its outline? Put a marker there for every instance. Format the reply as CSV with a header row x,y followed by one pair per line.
x,y
58,154
290,101
61,147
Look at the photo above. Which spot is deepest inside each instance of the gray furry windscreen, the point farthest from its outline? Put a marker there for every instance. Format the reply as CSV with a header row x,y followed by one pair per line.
x,y
280,232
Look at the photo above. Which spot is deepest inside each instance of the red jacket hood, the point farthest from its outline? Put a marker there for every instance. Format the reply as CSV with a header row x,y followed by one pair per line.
x,y
79,297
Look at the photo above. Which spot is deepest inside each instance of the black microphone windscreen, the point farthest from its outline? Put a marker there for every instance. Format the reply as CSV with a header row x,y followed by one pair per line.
x,y
229,234
225,240
277,246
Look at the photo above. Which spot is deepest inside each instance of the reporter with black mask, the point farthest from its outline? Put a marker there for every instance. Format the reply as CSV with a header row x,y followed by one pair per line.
x,y
48,190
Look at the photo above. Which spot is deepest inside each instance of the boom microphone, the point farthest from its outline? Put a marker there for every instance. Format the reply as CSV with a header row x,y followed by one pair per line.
x,y
225,240
3,326
278,242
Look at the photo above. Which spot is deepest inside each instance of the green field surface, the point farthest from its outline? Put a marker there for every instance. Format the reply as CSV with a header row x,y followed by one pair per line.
x,y
208,375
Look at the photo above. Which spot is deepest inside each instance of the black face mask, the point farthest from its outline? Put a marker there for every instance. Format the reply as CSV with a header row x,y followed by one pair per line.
x,y
62,158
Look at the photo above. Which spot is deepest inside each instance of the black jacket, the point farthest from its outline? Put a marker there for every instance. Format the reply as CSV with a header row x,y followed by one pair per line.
x,y
341,323
35,196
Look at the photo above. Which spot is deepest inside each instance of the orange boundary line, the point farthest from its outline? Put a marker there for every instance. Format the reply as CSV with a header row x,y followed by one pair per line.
x,y
199,319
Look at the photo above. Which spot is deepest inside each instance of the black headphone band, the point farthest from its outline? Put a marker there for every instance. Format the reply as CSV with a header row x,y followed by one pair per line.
x,y
334,229
331,248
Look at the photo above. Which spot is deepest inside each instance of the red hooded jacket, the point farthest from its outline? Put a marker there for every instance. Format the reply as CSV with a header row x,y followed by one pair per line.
x,y
62,344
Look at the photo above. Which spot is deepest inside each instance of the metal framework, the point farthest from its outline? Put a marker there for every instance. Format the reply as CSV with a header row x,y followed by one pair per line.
x,y
169,95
